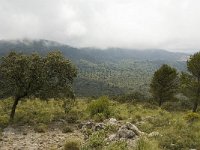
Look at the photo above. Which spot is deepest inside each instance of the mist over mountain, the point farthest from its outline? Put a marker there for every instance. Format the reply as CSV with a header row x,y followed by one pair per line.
x,y
110,71
110,54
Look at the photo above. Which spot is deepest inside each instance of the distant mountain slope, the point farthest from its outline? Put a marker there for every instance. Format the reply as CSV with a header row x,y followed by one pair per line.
x,y
92,54
112,71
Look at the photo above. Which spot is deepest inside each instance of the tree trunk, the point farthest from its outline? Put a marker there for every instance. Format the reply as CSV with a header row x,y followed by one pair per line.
x,y
12,114
195,106
160,103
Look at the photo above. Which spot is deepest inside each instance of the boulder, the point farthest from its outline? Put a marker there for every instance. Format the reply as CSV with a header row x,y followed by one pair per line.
x,y
132,127
99,126
112,121
112,137
89,124
125,133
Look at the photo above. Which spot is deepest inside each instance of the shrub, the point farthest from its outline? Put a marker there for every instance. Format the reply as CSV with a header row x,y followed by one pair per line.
x,y
119,145
95,141
181,135
67,129
4,121
72,145
146,144
136,119
179,105
191,117
100,117
150,106
111,128
98,106
72,117
41,128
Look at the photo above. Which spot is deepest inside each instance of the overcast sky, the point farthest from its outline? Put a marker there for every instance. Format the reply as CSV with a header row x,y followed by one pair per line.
x,y
166,24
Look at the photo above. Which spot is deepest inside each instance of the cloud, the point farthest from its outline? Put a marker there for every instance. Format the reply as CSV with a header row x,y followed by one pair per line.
x,y
168,24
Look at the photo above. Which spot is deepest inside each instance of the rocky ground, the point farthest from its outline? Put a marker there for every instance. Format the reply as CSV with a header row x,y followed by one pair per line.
x,y
25,138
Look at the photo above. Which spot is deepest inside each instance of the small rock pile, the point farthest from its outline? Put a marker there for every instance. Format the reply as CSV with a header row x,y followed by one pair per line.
x,y
124,130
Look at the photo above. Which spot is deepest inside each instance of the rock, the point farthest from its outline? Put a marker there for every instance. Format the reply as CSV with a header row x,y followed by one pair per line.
x,y
112,121
125,133
112,137
132,127
154,134
89,124
99,126
80,125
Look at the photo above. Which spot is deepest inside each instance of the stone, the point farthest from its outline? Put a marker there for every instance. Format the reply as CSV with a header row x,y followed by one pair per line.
x,y
112,137
89,124
154,134
112,121
99,126
125,133
132,127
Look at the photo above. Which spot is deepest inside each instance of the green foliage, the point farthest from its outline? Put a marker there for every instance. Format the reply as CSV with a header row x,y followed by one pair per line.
x,y
67,129
99,117
191,117
35,76
40,128
191,82
72,116
119,145
4,121
130,98
180,135
111,129
95,141
146,144
72,145
164,83
99,107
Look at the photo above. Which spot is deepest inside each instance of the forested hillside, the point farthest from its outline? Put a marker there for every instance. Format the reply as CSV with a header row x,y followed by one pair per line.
x,y
112,71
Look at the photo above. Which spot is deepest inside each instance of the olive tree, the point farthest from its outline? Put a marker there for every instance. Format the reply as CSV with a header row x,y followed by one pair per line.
x,y
25,76
164,83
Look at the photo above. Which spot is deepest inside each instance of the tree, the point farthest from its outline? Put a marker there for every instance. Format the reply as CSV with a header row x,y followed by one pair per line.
x,y
193,84
25,76
164,83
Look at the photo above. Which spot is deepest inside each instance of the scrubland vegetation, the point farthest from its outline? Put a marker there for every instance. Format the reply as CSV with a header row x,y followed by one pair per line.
x,y
170,129
37,92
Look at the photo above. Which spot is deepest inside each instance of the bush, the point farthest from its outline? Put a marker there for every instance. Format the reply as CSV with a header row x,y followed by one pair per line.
x,y
95,141
72,117
119,145
41,128
179,105
150,106
146,144
100,117
191,117
111,128
72,145
4,121
67,129
181,135
100,106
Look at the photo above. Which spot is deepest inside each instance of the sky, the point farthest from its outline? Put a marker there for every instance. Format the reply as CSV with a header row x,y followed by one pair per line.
x,y
143,24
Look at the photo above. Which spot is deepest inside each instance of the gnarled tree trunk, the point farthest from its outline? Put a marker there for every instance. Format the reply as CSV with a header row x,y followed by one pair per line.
x,y
195,106
12,114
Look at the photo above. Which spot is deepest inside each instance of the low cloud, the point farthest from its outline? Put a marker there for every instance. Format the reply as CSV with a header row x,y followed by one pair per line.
x,y
168,24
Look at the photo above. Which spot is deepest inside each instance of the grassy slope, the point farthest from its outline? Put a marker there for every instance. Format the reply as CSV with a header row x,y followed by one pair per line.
x,y
177,129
